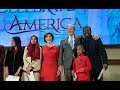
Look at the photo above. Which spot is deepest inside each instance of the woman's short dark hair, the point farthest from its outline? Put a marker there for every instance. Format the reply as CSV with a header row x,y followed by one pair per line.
x,y
17,41
48,33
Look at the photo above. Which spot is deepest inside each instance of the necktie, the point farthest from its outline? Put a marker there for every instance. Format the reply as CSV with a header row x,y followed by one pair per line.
x,y
71,42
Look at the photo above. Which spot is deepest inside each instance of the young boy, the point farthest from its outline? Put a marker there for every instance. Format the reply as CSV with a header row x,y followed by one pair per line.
x,y
81,66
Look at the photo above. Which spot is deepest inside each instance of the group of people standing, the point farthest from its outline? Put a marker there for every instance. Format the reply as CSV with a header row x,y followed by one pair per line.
x,y
81,58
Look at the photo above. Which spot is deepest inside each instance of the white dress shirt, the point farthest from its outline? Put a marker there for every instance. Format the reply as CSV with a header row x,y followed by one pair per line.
x,y
73,38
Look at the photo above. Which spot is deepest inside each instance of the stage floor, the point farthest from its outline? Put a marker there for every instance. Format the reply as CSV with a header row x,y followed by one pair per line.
x,y
111,74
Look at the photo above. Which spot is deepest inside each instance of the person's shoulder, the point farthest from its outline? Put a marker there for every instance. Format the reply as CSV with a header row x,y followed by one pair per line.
x,y
58,47
86,57
76,58
78,36
55,45
40,48
97,40
44,46
9,50
1,46
21,49
25,48
64,39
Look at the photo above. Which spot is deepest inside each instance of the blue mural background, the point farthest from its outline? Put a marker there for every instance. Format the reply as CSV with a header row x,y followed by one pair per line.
x,y
28,22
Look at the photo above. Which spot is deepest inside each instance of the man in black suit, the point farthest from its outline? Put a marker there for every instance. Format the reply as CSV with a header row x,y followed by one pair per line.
x,y
96,52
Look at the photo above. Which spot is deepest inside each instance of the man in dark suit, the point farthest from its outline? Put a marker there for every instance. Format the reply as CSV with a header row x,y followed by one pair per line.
x,y
2,56
96,52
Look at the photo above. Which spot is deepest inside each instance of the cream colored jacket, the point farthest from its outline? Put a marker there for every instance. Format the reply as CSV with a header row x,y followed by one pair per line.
x,y
28,62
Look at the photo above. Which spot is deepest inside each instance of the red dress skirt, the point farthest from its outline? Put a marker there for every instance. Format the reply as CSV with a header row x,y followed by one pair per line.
x,y
49,64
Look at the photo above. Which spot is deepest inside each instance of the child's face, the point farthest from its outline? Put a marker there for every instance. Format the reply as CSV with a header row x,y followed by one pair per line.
x,y
79,50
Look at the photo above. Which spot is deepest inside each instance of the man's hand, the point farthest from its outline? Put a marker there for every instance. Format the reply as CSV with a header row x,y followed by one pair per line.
x,y
61,68
58,72
105,66
95,37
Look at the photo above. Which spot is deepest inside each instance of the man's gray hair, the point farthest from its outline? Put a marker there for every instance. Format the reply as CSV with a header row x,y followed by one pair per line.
x,y
71,25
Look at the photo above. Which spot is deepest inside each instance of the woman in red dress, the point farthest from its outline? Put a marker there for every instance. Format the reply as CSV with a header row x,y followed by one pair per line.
x,y
49,68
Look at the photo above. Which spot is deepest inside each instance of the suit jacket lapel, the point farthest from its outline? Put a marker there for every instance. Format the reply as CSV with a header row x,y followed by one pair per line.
x,y
75,42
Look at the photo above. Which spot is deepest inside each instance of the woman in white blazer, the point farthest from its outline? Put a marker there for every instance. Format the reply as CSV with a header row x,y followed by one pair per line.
x,y
32,59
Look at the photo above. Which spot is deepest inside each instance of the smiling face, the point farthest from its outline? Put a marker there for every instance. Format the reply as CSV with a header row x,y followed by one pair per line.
x,y
48,38
33,40
71,29
80,49
87,32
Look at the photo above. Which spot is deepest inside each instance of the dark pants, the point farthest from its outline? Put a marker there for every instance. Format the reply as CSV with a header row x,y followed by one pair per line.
x,y
94,76
68,75
1,74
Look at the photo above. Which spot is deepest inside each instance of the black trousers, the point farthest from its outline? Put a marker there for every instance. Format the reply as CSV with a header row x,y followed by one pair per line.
x,y
94,75
1,74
